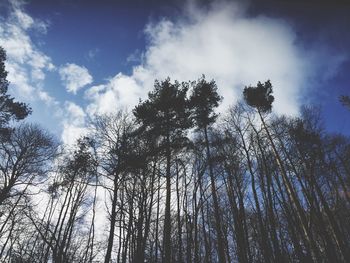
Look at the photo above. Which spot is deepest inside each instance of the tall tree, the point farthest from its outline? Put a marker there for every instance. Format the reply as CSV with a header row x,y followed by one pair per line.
x,y
261,98
25,161
204,99
113,138
165,115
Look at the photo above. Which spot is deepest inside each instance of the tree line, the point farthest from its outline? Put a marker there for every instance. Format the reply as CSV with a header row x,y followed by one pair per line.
x,y
172,181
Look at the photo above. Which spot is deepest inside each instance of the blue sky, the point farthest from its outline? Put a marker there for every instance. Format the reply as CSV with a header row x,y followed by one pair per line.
x,y
72,59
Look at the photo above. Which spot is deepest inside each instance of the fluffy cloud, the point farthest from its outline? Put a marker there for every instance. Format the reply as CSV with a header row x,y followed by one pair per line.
x,y
73,123
74,77
26,64
224,45
121,92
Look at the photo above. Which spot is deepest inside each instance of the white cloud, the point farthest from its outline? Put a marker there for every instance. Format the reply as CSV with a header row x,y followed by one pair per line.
x,y
45,97
74,77
73,123
233,50
121,92
24,20
224,45
27,68
26,64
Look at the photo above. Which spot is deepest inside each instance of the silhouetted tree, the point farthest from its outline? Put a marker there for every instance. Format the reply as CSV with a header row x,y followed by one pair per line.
x,y
204,99
259,97
9,109
25,161
165,115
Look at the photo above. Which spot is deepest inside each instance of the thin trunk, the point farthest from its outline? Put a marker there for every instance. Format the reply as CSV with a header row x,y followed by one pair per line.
x,y
290,190
179,226
167,220
220,239
112,221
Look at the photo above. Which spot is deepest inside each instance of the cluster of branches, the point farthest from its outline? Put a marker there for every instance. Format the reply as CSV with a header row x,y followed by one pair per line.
x,y
172,182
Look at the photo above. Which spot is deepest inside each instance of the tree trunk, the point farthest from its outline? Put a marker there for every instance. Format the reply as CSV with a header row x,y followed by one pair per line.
x,y
113,221
220,239
167,219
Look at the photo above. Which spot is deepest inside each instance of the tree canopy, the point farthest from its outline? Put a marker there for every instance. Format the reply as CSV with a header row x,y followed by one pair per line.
x,y
203,100
165,113
9,109
259,97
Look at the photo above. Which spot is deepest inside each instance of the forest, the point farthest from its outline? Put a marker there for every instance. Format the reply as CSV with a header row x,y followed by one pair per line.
x,y
175,181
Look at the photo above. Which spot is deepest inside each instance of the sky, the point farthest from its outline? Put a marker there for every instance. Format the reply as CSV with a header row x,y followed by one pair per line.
x,y
73,59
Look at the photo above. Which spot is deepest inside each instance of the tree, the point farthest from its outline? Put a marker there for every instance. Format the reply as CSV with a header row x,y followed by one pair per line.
x,y
23,159
204,99
165,115
113,135
77,172
9,109
260,97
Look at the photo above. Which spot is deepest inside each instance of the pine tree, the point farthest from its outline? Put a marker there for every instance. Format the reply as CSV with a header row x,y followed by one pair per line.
x,y
203,101
165,115
9,109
